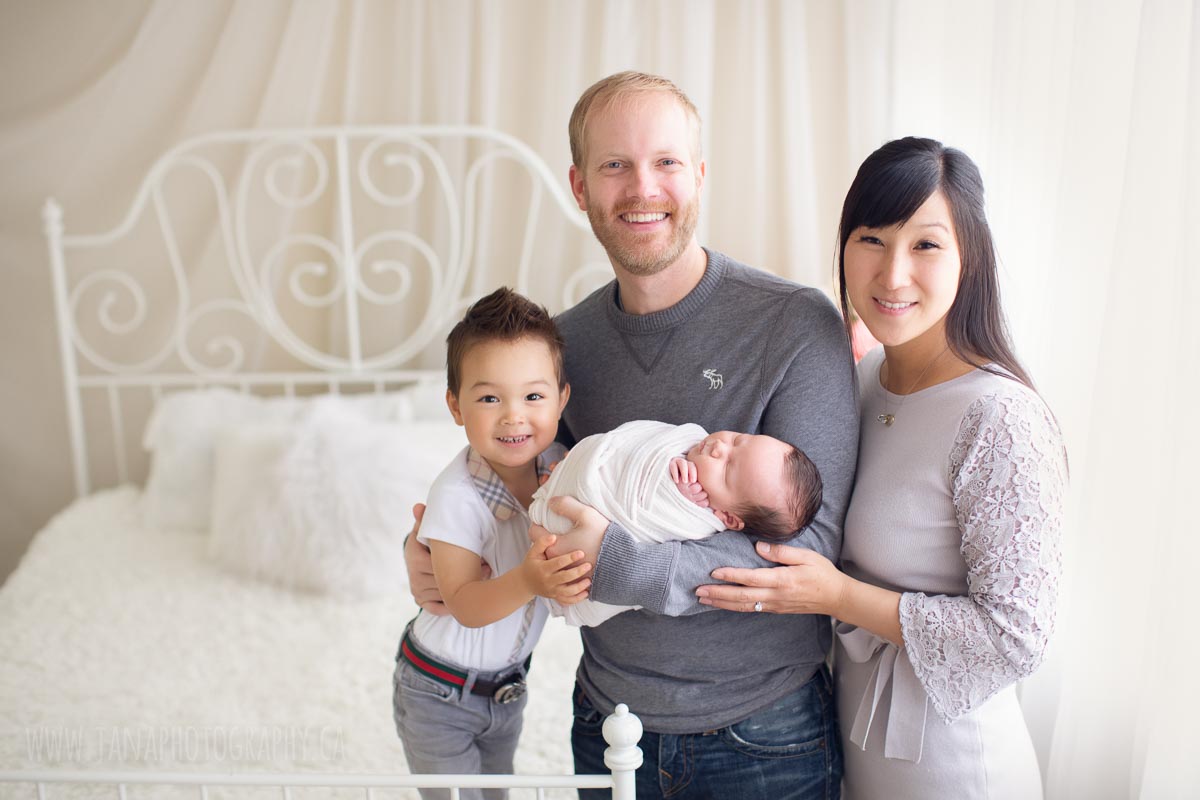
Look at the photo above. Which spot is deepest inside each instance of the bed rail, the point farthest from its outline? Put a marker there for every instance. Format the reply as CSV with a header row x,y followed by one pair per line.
x,y
622,730
341,253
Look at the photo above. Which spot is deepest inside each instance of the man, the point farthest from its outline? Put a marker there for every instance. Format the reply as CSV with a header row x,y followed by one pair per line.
x,y
733,705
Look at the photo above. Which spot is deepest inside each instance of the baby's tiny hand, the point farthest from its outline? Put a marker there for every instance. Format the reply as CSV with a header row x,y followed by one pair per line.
x,y
695,492
682,471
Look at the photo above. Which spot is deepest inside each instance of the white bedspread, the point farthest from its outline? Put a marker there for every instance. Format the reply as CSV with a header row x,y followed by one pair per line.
x,y
130,649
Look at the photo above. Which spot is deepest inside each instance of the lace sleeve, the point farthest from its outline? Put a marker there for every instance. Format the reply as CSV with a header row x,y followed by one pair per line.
x,y
1008,475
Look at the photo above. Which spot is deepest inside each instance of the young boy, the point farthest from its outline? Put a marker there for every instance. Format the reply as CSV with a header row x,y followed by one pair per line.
x,y
673,482
459,689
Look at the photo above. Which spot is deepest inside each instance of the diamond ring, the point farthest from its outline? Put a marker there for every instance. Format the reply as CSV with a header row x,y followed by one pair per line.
x,y
758,606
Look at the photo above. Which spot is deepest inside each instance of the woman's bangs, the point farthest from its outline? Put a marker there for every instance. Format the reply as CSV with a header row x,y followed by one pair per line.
x,y
893,196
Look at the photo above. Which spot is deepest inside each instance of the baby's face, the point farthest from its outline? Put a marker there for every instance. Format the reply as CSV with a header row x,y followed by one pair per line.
x,y
736,469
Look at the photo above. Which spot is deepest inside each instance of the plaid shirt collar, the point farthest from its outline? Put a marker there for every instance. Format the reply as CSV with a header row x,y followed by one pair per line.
x,y
492,489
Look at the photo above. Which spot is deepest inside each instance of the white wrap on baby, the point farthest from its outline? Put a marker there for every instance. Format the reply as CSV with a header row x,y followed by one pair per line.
x,y
625,475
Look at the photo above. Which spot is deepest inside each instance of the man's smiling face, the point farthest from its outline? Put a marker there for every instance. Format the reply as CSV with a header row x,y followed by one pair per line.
x,y
639,182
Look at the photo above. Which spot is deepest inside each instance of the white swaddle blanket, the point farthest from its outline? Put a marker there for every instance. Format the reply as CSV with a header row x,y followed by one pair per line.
x,y
625,475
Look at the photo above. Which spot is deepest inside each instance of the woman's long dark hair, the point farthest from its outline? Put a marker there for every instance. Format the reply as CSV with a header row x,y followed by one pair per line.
x,y
889,188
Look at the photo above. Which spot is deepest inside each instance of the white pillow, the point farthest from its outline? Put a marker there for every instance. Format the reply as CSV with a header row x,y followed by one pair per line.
x,y
182,433
427,398
324,505
180,437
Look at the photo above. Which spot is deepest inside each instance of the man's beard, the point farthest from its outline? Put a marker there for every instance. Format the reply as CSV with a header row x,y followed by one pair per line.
x,y
638,258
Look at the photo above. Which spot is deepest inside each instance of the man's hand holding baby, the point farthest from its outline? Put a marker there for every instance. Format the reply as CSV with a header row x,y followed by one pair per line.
x,y
558,578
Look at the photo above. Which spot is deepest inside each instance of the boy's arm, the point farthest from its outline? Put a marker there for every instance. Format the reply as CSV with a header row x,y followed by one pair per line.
x,y
475,601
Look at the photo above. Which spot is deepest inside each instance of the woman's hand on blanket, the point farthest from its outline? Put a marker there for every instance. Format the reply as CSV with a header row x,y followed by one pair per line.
x,y
587,528
419,564
805,583
559,578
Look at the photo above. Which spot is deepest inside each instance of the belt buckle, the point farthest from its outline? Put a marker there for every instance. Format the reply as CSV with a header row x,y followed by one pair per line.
x,y
510,691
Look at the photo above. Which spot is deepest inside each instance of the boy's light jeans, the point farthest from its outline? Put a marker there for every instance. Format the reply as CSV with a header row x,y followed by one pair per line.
x,y
445,729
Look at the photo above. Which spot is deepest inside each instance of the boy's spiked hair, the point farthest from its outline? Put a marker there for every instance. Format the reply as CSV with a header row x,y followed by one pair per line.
x,y
505,316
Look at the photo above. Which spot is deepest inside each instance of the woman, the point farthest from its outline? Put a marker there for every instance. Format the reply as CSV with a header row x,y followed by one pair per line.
x,y
950,562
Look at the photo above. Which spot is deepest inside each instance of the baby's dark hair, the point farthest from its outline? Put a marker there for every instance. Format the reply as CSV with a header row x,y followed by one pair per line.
x,y
502,316
805,483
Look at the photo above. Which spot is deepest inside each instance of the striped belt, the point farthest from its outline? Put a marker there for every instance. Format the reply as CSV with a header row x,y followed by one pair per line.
x,y
504,689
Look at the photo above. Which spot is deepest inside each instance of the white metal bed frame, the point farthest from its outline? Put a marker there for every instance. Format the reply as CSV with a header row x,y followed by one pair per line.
x,y
621,729
364,159
362,172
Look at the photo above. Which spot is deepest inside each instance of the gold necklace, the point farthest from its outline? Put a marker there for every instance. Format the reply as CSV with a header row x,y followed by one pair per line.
x,y
886,418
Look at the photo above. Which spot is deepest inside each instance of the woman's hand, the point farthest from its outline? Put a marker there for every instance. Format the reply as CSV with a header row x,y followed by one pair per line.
x,y
807,583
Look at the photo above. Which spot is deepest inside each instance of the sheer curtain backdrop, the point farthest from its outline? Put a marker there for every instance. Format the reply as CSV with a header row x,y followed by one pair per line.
x,y
1084,117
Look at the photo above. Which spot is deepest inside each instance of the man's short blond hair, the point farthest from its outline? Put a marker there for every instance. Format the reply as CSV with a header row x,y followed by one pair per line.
x,y
605,91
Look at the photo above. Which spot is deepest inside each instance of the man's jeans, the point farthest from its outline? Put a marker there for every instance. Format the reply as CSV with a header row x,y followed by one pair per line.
x,y
790,750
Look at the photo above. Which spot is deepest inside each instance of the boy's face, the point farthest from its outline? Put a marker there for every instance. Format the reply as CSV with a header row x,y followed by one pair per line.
x,y
736,469
509,401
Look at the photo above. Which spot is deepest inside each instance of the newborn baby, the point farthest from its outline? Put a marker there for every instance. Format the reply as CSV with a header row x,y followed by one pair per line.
x,y
666,482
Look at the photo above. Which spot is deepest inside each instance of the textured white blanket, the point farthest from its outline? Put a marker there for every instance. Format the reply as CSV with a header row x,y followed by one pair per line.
x,y
127,648
625,475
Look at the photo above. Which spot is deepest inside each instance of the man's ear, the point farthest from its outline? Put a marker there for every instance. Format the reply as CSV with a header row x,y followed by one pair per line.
x,y
730,520
700,176
576,178
452,404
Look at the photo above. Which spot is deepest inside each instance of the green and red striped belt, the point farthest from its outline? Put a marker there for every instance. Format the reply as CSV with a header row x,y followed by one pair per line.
x,y
506,689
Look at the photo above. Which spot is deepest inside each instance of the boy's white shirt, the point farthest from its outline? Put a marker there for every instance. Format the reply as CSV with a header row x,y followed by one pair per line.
x,y
497,529
625,475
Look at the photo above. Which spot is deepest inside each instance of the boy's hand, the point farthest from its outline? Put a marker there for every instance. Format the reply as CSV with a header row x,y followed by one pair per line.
x,y
683,472
555,578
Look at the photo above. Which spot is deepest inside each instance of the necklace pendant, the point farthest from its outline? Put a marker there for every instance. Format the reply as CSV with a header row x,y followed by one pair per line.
x,y
887,419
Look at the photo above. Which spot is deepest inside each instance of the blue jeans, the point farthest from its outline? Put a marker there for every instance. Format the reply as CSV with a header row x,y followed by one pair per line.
x,y
789,751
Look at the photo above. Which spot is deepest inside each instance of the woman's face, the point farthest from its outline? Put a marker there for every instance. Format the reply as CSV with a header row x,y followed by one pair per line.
x,y
902,280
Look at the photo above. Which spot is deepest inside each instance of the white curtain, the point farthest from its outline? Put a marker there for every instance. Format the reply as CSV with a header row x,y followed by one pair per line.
x,y
1084,117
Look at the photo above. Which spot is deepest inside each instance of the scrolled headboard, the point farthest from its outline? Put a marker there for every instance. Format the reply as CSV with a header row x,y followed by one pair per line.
x,y
320,259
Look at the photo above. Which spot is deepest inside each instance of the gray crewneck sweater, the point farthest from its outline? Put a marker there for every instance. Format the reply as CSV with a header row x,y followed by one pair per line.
x,y
743,351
